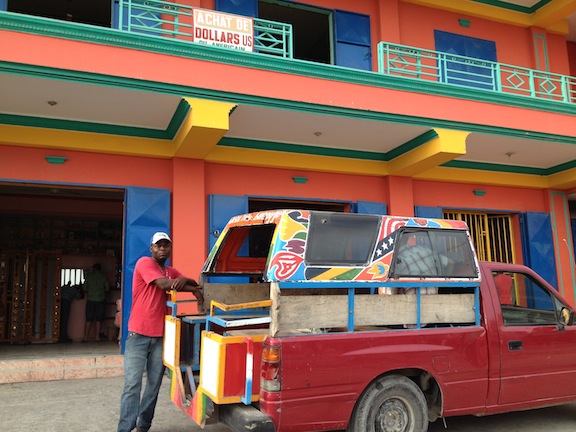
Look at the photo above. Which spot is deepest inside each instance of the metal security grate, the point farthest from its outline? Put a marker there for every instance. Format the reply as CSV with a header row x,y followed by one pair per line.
x,y
491,234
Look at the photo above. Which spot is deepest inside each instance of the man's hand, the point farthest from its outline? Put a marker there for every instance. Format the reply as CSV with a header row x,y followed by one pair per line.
x,y
200,297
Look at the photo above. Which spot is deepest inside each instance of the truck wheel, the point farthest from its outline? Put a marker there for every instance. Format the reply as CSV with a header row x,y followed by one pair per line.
x,y
390,404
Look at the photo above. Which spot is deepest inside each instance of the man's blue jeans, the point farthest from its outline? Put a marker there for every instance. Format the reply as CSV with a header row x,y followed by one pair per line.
x,y
141,353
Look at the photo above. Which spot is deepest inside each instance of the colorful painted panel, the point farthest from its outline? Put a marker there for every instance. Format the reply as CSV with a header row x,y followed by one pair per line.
x,y
326,246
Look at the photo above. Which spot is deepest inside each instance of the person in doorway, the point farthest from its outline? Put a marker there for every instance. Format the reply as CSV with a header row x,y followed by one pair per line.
x,y
68,293
95,287
143,352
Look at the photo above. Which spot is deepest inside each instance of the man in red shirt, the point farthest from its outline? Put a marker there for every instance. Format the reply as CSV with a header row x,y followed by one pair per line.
x,y
143,352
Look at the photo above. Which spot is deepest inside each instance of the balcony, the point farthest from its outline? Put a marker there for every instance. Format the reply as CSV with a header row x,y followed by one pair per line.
x,y
166,19
166,27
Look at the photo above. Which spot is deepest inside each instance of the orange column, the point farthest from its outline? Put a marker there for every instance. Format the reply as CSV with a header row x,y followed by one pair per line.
x,y
189,216
400,196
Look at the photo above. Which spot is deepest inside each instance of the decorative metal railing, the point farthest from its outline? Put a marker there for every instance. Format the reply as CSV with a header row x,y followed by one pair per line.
x,y
172,20
423,64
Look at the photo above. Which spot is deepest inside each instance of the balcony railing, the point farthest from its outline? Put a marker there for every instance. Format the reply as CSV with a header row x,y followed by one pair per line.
x,y
176,21
421,64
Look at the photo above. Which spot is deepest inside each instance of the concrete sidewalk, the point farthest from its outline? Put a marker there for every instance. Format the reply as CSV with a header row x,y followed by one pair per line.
x,y
90,405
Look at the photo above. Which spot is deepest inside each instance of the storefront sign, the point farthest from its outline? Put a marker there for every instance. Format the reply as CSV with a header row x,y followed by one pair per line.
x,y
223,30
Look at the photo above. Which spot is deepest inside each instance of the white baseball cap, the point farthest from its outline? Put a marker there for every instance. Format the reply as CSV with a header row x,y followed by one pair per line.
x,y
160,236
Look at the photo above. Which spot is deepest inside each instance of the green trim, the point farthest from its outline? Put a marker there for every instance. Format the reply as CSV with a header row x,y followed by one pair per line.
x,y
324,151
113,37
300,149
544,52
561,167
179,90
412,144
481,166
72,125
177,119
386,157
78,126
515,7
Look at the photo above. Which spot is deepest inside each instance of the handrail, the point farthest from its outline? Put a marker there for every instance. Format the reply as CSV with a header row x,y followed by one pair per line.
x,y
176,21
429,65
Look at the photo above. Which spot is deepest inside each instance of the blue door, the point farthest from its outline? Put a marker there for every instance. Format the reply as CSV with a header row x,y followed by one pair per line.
x,y
147,211
537,245
220,209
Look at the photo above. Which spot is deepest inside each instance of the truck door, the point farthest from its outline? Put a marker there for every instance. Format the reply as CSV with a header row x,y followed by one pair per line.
x,y
537,353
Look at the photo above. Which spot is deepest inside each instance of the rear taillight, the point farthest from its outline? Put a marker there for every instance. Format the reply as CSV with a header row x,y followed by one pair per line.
x,y
270,372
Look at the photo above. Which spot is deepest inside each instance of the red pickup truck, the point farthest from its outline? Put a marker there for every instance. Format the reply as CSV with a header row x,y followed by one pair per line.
x,y
366,323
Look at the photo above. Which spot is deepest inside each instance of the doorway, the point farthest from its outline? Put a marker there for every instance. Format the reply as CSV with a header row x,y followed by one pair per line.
x,y
311,28
46,233
93,12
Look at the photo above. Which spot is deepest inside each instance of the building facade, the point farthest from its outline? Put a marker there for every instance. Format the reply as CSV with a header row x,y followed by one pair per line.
x,y
123,117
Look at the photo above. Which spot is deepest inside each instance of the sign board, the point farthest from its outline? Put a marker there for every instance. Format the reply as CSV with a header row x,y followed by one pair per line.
x,y
223,30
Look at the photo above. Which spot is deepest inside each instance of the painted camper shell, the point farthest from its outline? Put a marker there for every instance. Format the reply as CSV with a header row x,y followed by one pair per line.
x,y
359,248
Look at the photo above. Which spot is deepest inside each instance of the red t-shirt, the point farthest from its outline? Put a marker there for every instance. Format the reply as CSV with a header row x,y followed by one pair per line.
x,y
148,300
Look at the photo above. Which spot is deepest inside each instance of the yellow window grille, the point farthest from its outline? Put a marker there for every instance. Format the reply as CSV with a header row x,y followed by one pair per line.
x,y
491,234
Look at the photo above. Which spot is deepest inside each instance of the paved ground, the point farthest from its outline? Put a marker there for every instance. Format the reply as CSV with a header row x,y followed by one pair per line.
x,y
85,405
92,405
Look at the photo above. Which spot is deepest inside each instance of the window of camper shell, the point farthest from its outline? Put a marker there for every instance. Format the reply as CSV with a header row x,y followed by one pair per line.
x,y
341,239
432,253
245,250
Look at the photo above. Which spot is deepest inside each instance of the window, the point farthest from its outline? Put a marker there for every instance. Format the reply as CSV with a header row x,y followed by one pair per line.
x,y
72,276
310,27
341,239
492,234
466,72
432,253
244,250
524,301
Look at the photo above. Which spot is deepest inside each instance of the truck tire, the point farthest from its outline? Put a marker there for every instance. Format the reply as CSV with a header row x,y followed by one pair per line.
x,y
390,404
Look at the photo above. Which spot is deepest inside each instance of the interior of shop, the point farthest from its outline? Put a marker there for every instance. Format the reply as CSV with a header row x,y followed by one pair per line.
x,y
51,236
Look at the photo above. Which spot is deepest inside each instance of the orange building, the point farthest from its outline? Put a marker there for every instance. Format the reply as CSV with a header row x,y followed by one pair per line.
x,y
119,118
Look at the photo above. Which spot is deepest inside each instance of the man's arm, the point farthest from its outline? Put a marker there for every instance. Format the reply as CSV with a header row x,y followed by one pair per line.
x,y
182,284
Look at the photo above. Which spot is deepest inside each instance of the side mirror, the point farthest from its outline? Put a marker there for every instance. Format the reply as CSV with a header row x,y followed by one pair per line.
x,y
567,316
